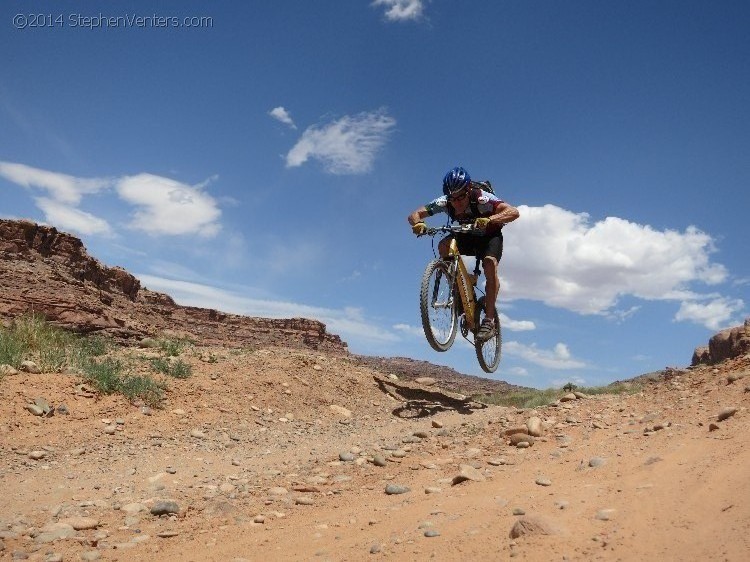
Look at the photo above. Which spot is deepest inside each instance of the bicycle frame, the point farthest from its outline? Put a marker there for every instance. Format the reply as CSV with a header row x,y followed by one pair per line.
x,y
464,283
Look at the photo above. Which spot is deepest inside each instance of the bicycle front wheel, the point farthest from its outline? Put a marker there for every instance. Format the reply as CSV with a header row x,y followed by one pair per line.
x,y
488,351
438,306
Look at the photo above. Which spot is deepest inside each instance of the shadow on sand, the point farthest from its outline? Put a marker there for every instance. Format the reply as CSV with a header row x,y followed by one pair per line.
x,y
420,402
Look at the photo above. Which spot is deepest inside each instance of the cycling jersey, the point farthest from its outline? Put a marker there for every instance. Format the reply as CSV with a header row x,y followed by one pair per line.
x,y
481,204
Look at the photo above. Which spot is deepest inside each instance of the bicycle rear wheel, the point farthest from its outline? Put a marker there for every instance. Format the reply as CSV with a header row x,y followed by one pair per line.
x,y
438,306
488,351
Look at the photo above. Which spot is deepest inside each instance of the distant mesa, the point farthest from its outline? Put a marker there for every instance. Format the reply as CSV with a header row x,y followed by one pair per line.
x,y
48,272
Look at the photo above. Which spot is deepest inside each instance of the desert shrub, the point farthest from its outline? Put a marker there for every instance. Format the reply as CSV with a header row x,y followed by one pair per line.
x,y
32,337
177,369
109,376
105,375
143,387
180,370
172,347
12,349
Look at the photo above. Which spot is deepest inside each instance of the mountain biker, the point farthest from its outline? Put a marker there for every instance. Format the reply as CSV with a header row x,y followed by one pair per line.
x,y
465,202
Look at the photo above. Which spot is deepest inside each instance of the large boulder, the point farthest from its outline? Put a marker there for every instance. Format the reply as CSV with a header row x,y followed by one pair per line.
x,y
727,344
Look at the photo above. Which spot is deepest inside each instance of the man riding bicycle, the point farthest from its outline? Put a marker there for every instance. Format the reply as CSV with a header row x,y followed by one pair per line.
x,y
466,202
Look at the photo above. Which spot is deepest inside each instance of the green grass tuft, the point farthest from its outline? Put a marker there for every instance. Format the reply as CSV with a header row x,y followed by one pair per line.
x,y
31,337
172,347
177,369
534,398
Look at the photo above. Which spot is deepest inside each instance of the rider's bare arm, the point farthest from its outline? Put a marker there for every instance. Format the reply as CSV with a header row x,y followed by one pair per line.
x,y
504,214
418,216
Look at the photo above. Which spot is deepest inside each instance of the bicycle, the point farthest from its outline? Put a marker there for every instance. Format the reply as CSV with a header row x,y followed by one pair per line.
x,y
448,300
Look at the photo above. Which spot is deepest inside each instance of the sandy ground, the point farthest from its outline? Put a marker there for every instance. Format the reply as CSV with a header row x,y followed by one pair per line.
x,y
274,454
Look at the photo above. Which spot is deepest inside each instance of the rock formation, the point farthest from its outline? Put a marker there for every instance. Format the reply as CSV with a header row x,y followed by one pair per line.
x,y
50,273
727,344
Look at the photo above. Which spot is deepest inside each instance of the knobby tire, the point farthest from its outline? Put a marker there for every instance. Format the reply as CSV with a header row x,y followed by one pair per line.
x,y
440,328
489,351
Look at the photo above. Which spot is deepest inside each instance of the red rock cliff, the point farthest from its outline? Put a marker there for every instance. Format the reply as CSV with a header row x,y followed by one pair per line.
x,y
49,272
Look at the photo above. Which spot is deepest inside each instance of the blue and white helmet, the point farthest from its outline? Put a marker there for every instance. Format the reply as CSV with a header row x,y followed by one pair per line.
x,y
456,180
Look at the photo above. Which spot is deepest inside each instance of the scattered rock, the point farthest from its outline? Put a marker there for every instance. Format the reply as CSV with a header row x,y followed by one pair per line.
x,y
437,424
82,523
379,460
165,507
568,397
429,533
512,430
517,438
197,433
37,455
605,514
7,370
133,508
30,367
425,381
529,526
726,413
543,481
596,462
34,409
55,531
304,500
734,377
347,456
395,489
340,410
534,426
467,472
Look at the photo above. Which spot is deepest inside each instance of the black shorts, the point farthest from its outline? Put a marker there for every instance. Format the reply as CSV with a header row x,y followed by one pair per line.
x,y
480,246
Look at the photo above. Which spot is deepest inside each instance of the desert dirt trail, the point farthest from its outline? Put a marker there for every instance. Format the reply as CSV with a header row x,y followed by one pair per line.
x,y
249,461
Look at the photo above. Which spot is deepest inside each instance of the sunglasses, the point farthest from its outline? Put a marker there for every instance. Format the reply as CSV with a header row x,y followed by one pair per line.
x,y
458,196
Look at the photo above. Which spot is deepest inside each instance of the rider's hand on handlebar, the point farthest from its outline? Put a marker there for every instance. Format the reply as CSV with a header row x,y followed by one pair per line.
x,y
419,229
481,223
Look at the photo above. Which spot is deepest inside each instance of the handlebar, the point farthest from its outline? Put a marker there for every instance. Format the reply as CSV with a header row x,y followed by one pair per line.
x,y
458,228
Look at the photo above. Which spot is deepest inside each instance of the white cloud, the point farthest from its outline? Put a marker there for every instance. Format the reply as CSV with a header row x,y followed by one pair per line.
x,y
579,381
166,206
345,146
517,372
281,114
516,325
61,187
401,10
349,323
715,314
66,217
163,205
414,331
560,258
557,358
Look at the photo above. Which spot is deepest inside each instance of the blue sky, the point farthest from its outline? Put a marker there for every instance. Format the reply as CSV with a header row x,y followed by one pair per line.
x,y
263,160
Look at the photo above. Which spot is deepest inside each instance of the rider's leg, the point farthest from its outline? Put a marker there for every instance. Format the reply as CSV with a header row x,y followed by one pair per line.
x,y
489,264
